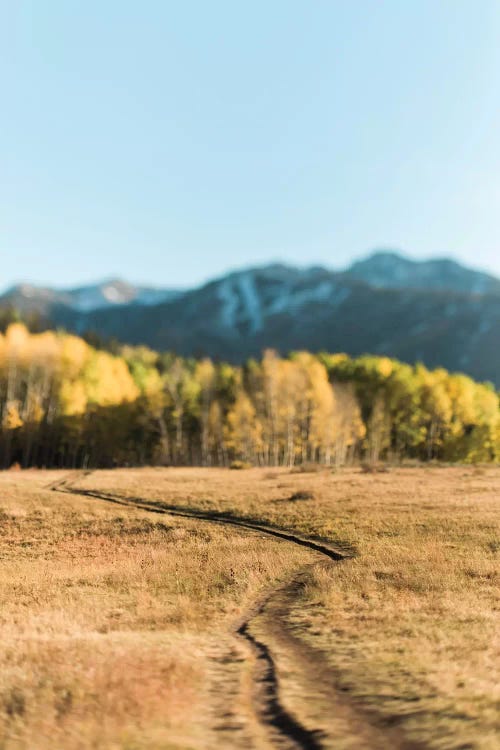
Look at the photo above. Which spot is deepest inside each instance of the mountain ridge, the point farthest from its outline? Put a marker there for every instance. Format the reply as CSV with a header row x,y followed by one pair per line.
x,y
102,294
384,269
387,269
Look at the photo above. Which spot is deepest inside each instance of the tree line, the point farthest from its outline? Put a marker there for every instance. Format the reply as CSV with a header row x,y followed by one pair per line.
x,y
65,403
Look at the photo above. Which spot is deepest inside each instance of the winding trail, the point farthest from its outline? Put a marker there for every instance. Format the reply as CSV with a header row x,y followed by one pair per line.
x,y
330,719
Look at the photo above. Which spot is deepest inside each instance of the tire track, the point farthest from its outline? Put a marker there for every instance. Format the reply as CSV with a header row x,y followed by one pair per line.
x,y
268,706
270,710
324,548
282,727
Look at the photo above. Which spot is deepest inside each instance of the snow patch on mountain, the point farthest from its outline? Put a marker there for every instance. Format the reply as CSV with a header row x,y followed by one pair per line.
x,y
325,292
251,300
84,299
230,303
112,294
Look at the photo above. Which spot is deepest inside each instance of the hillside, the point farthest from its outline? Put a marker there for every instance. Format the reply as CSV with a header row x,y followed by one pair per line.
x,y
108,293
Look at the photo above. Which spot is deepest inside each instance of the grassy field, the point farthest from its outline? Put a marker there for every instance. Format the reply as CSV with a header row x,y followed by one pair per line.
x,y
117,624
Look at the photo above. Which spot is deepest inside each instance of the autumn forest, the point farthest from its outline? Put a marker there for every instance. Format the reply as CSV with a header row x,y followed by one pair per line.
x,y
65,403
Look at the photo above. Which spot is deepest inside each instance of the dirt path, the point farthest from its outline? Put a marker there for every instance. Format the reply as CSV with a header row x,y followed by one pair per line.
x,y
293,694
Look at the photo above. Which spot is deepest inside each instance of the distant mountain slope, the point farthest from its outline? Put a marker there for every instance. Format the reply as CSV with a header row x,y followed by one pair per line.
x,y
389,270
434,312
28,297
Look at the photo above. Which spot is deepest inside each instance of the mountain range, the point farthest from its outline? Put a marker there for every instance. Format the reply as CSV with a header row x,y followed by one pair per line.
x,y
109,293
437,312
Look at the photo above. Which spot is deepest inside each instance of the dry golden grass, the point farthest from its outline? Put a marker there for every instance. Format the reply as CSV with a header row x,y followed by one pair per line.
x,y
113,620
409,627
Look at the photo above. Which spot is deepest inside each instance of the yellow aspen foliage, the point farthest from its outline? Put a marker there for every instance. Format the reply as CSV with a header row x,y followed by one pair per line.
x,y
74,355
73,397
16,339
13,346
149,407
243,431
108,380
385,366
44,349
11,417
205,374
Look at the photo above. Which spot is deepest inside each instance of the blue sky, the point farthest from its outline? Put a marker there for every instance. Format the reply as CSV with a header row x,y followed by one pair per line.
x,y
166,142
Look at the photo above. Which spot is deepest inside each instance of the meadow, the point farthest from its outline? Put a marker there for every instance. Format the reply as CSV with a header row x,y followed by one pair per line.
x,y
139,611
